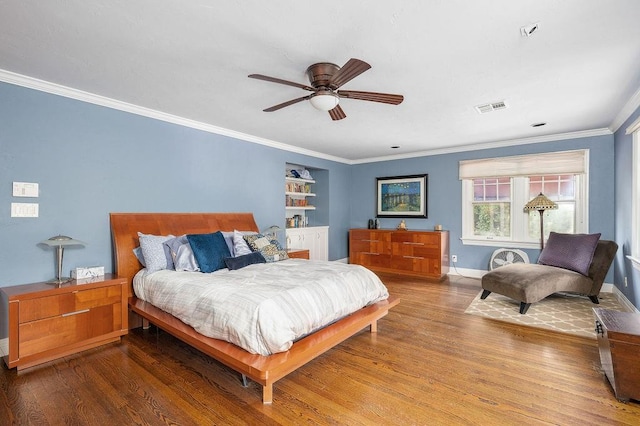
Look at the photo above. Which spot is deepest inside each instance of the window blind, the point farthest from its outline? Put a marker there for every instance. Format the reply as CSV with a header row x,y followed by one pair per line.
x,y
563,162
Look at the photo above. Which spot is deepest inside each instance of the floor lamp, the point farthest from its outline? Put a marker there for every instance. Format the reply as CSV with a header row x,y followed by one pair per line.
x,y
540,203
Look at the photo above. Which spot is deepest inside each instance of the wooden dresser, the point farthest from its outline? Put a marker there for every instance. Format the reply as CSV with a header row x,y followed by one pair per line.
x,y
420,253
49,321
619,344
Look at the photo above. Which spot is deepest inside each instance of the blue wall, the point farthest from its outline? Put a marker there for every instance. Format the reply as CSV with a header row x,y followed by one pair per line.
x,y
623,192
445,192
91,160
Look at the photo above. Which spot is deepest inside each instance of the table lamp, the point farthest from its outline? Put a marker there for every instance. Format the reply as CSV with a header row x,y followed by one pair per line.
x,y
60,242
272,232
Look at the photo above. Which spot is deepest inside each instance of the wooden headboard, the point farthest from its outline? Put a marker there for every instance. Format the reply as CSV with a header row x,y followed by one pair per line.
x,y
125,228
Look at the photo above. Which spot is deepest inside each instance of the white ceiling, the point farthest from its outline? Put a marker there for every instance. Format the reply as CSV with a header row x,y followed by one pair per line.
x,y
579,72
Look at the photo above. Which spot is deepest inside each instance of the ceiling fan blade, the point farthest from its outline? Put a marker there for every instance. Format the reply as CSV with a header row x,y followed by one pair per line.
x,y
337,113
286,104
350,70
386,98
280,81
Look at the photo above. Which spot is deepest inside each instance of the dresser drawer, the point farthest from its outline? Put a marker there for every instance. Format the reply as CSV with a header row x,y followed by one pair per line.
x,y
68,329
67,303
370,241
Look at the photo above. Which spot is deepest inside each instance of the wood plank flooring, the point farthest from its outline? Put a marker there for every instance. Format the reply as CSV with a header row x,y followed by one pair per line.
x,y
429,363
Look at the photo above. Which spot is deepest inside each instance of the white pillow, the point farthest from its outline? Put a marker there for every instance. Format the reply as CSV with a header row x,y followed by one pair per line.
x,y
185,260
240,246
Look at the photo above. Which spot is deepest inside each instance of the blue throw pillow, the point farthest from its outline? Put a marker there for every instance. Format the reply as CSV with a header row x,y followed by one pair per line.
x,y
244,260
210,250
570,251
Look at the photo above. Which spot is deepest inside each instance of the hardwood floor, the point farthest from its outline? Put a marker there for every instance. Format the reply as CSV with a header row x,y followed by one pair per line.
x,y
429,363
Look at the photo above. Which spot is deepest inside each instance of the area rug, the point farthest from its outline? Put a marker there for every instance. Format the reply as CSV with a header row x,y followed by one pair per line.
x,y
566,313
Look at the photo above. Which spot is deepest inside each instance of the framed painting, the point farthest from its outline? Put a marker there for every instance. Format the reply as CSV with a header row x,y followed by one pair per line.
x,y
402,196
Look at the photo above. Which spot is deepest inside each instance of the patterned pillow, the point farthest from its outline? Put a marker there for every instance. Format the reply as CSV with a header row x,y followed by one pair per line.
x,y
270,249
570,251
156,255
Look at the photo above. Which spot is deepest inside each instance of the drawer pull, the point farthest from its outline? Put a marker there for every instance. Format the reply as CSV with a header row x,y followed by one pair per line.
x,y
372,254
75,313
413,257
372,241
409,243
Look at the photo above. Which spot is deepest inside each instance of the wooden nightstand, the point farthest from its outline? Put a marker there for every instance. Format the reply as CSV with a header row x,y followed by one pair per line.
x,y
298,253
47,321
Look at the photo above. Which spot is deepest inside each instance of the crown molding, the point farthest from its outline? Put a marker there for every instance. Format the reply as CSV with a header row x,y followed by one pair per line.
x,y
489,145
629,108
67,92
57,89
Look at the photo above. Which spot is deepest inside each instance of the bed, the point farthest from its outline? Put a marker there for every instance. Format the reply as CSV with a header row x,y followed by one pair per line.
x,y
263,369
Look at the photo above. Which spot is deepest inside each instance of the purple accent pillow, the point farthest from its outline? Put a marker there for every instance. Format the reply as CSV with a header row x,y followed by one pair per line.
x,y
570,251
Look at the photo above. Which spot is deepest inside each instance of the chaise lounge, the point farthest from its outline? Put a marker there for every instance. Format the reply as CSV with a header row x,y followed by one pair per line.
x,y
565,265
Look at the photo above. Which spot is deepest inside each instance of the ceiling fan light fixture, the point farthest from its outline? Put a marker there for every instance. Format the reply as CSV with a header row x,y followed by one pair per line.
x,y
324,100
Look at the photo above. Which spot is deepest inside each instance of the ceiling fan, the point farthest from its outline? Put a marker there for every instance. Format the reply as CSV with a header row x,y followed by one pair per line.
x,y
325,79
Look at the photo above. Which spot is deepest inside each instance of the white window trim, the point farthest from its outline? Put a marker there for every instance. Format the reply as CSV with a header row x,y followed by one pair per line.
x,y
635,195
518,199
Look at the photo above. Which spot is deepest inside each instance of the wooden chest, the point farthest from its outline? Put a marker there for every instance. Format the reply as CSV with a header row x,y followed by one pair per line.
x,y
619,345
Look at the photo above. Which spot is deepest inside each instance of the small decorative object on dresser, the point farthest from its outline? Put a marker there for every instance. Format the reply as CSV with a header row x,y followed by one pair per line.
x,y
48,322
402,226
619,343
419,253
87,272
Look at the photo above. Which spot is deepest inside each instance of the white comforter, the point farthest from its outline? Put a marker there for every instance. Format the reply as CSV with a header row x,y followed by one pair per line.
x,y
265,307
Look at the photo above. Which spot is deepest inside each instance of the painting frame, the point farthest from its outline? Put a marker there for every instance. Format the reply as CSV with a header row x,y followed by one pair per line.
x,y
402,196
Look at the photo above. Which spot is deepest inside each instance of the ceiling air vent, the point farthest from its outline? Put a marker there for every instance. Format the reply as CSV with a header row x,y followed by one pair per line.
x,y
493,106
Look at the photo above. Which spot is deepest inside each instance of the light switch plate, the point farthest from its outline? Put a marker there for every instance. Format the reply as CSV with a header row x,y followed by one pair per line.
x,y
25,189
24,209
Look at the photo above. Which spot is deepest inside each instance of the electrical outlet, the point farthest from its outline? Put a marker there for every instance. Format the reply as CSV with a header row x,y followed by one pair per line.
x,y
454,258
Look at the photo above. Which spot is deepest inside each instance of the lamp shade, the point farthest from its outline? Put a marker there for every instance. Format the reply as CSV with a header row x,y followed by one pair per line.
x,y
272,231
324,100
541,202
62,240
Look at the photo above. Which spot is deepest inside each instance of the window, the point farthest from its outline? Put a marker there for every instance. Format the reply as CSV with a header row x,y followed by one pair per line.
x,y
493,206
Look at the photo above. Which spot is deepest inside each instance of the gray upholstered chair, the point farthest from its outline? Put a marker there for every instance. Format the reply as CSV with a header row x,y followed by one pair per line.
x,y
529,283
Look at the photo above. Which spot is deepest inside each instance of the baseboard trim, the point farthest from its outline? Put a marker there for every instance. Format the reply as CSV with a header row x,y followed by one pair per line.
x,y
4,347
465,272
623,299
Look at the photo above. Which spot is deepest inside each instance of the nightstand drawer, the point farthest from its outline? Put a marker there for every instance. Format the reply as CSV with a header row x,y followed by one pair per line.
x,y
68,329
68,303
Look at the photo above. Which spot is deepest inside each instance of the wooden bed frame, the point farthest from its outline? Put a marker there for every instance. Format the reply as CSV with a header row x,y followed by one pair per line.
x,y
264,370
